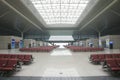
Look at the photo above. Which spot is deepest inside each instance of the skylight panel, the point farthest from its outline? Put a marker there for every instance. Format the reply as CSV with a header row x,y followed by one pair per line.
x,y
61,38
60,11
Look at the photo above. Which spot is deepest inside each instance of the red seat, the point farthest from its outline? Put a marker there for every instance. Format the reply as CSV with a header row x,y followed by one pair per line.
x,y
1,55
107,56
112,65
94,58
101,57
42,49
27,58
117,55
118,61
20,57
11,65
13,56
3,63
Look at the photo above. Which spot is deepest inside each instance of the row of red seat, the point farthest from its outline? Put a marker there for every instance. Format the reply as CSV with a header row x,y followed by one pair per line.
x,y
8,65
112,65
84,49
39,49
110,62
98,58
12,62
25,58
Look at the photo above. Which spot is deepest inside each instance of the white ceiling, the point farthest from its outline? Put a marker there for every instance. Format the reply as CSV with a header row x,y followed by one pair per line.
x,y
60,13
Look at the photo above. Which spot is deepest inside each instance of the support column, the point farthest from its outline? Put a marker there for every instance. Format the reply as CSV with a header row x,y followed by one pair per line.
x,y
22,35
99,34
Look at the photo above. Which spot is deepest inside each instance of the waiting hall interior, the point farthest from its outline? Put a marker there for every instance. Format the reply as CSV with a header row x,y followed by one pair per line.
x,y
59,40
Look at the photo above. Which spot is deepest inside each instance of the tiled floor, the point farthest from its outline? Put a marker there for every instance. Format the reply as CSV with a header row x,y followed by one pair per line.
x,y
61,63
60,78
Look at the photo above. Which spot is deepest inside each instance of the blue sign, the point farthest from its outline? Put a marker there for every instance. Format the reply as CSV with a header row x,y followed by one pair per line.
x,y
13,43
111,42
21,44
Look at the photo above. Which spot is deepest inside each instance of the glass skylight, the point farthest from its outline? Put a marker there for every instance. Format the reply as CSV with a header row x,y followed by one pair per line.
x,y
61,38
60,11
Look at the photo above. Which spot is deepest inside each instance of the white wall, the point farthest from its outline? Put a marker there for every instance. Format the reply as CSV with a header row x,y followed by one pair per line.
x,y
82,43
28,42
112,38
116,41
36,43
4,40
94,41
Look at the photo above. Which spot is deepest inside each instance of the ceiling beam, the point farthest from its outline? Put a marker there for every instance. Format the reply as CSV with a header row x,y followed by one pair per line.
x,y
14,9
115,12
101,12
4,14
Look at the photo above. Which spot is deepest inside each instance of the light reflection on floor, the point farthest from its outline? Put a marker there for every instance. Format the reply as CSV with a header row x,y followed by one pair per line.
x,y
61,52
52,72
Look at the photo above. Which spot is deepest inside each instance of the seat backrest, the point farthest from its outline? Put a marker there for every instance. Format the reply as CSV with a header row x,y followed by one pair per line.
x,y
13,56
28,56
112,62
3,62
1,55
6,56
107,56
21,57
118,61
94,56
11,62
102,56
118,55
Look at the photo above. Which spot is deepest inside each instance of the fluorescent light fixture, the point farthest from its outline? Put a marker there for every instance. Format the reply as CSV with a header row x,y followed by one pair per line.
x,y
61,38
60,11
